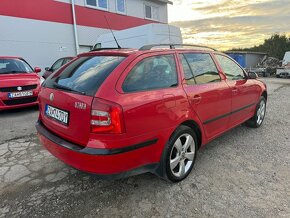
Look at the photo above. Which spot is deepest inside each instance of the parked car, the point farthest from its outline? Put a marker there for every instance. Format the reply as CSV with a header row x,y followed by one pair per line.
x,y
116,113
58,64
19,83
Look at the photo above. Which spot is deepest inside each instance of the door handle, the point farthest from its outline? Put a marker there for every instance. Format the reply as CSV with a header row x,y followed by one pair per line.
x,y
235,91
196,99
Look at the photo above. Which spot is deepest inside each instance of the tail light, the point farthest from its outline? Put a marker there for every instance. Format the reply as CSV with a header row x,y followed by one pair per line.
x,y
106,117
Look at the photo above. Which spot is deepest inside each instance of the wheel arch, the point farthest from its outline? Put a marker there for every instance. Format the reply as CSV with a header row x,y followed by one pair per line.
x,y
265,95
193,125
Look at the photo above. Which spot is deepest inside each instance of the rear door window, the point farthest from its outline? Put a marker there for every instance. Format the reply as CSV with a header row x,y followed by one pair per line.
x,y
85,75
152,73
202,67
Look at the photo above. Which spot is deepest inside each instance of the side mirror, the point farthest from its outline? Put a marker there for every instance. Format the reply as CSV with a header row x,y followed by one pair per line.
x,y
37,70
252,75
47,69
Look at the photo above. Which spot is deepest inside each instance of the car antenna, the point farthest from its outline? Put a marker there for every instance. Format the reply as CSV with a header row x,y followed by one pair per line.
x,y
119,47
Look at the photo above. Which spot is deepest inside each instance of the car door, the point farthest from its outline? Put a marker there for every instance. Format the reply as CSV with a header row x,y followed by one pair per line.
x,y
244,93
208,93
151,96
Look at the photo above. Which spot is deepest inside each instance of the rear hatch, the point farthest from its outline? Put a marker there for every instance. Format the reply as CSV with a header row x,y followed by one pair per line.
x,y
66,97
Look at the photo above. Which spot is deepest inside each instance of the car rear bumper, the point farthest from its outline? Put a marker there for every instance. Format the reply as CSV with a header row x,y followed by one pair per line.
x,y
106,163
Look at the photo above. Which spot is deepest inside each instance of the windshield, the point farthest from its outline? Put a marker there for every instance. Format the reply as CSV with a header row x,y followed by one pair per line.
x,y
85,75
9,66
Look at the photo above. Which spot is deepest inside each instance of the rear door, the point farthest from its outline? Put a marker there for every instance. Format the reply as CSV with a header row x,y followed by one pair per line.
x,y
150,94
66,98
243,91
208,93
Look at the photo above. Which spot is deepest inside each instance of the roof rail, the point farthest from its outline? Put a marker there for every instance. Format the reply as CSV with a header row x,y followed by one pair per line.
x,y
100,49
172,46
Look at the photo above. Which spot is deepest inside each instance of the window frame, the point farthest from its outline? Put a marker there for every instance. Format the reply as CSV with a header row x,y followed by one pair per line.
x,y
194,76
134,64
125,7
244,72
151,6
97,7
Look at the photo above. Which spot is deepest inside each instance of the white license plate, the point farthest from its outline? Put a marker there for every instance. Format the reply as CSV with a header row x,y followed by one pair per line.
x,y
20,94
57,114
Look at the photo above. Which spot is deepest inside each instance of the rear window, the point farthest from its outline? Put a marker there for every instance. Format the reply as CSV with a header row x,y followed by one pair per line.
x,y
85,75
10,66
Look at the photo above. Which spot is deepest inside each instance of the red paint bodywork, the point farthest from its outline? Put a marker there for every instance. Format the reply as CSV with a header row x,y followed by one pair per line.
x,y
153,114
14,80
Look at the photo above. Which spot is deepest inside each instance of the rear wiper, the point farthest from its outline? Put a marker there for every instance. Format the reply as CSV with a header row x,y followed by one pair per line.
x,y
58,86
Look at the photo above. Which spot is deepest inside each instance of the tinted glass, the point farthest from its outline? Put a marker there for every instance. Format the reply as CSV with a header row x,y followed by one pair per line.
x,y
187,71
203,68
230,68
66,61
85,75
8,66
148,12
152,73
57,65
92,2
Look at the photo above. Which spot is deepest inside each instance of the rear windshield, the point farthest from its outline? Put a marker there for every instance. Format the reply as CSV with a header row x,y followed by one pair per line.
x,y
10,66
85,75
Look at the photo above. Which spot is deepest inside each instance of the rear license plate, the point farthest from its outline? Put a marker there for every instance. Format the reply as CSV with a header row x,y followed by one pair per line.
x,y
57,114
20,94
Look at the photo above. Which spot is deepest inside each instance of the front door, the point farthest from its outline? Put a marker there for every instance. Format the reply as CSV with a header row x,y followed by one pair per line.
x,y
208,94
243,90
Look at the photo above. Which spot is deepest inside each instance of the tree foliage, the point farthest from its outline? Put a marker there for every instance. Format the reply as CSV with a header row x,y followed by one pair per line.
x,y
275,46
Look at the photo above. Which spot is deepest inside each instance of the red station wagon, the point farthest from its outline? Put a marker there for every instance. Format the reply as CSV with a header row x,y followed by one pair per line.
x,y
19,83
121,112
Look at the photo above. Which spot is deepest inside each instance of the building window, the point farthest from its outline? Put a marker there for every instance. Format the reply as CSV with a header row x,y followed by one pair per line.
x,y
121,6
101,4
151,12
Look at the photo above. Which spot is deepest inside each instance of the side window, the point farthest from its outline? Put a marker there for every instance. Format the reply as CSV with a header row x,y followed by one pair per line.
x,y
230,68
203,68
65,61
57,65
187,71
152,73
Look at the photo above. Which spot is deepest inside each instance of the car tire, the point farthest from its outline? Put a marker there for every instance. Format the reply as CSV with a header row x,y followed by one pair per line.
x,y
278,76
180,154
257,120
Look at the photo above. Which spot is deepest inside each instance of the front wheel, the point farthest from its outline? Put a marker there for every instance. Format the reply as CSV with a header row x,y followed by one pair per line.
x,y
257,120
180,153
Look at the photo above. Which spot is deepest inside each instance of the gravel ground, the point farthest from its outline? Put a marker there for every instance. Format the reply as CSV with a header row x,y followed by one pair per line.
x,y
244,173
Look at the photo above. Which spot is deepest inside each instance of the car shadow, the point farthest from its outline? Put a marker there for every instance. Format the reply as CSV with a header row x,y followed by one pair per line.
x,y
18,111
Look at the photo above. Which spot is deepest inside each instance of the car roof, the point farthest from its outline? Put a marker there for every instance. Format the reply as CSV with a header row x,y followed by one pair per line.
x,y
127,51
10,57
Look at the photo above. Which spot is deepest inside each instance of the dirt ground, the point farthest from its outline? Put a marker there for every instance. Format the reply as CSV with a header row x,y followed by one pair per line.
x,y
244,173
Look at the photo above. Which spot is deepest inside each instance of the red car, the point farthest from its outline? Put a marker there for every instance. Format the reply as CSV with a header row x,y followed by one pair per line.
x,y
19,83
56,65
115,113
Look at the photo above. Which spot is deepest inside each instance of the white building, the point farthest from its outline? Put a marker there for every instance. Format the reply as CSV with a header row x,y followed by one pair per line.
x,y
42,31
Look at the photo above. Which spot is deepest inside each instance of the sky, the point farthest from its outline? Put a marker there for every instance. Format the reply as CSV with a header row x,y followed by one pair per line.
x,y
226,24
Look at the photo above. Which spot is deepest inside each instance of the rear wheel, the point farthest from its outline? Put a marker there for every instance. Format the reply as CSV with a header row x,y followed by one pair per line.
x,y
180,153
257,120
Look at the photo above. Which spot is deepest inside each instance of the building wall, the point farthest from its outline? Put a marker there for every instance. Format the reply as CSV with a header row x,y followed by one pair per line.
x,y
253,59
42,31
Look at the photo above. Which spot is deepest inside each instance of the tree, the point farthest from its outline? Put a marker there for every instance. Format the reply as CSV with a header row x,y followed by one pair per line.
x,y
275,46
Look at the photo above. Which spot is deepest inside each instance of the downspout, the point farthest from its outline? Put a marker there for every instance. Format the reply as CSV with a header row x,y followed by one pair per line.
x,y
75,27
